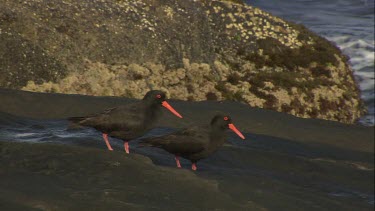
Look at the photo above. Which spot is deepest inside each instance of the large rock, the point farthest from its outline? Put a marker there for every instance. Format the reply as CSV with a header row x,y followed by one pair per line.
x,y
196,50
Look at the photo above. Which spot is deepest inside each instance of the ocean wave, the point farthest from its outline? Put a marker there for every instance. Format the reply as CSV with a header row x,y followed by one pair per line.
x,y
362,58
361,54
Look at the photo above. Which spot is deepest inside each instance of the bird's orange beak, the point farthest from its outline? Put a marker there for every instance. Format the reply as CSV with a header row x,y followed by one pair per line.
x,y
232,127
170,108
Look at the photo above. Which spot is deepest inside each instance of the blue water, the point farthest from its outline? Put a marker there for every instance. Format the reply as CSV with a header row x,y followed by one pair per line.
x,y
348,23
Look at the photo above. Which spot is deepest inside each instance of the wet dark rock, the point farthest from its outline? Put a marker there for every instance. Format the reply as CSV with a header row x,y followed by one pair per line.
x,y
285,163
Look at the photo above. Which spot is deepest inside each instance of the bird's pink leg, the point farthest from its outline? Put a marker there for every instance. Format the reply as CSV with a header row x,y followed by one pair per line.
x,y
194,166
126,147
105,136
177,161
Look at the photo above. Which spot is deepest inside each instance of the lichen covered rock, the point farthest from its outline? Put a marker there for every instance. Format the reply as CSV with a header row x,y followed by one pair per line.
x,y
194,49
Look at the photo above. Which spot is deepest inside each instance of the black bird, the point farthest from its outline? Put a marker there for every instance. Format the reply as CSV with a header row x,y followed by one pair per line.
x,y
129,121
195,143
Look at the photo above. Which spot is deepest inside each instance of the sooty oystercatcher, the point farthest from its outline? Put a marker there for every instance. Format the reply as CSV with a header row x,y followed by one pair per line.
x,y
129,121
195,143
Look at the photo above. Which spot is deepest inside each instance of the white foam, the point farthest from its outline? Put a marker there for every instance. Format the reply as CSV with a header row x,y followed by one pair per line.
x,y
19,135
361,53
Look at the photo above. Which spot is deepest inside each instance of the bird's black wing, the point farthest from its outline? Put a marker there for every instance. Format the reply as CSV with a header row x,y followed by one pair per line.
x,y
126,118
186,141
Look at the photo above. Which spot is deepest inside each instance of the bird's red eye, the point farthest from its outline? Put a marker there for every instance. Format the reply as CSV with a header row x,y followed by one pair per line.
x,y
226,118
158,96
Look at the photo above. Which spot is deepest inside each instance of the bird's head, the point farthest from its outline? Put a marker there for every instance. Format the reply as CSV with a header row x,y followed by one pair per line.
x,y
224,122
157,97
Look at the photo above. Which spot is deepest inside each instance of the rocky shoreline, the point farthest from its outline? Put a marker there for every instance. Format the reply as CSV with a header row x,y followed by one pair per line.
x,y
285,163
196,50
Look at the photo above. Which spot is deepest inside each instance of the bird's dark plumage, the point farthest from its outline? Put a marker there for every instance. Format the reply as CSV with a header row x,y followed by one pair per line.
x,y
194,143
129,121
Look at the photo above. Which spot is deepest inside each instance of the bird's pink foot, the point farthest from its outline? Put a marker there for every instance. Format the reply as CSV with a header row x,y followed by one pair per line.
x,y
105,137
126,147
194,166
177,161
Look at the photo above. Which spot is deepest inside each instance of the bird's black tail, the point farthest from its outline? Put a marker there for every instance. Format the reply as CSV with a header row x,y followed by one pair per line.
x,y
76,120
